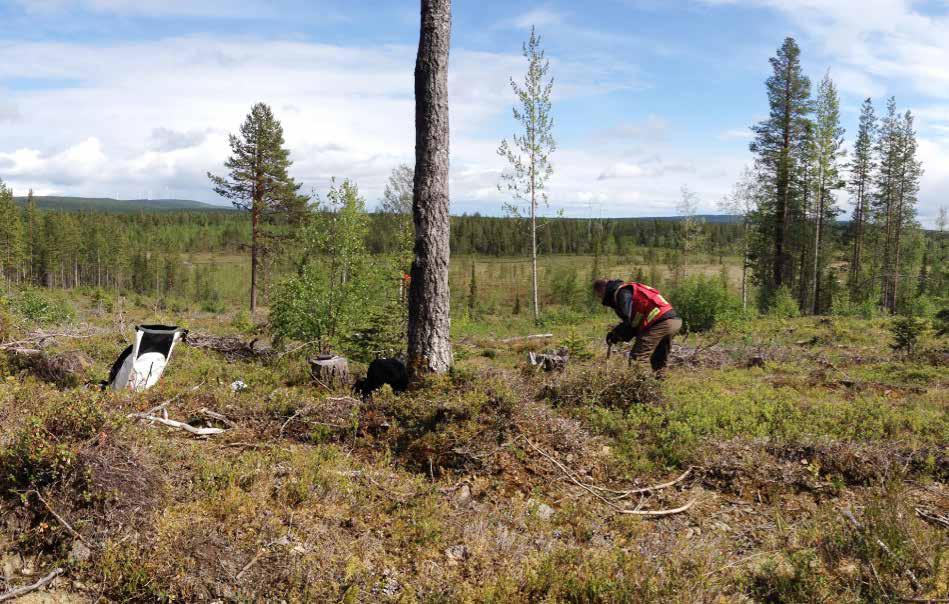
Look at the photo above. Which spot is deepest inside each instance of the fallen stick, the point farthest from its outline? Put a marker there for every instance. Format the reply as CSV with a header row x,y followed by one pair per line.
x,y
22,591
180,425
263,550
912,577
59,518
657,487
591,489
218,417
536,336
296,348
656,513
162,405
942,521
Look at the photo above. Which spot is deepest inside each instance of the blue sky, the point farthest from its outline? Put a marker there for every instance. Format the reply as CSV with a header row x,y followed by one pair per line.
x,y
131,98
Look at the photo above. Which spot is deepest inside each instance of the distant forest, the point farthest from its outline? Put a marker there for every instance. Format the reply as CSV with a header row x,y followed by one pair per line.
x,y
141,249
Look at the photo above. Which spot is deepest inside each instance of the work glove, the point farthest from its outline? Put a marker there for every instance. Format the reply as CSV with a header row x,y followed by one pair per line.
x,y
620,333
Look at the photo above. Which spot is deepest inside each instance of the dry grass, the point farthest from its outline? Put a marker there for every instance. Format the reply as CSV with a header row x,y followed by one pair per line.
x,y
443,494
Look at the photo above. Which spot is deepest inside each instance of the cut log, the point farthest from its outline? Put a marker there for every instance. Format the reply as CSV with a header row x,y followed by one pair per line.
x,y
331,372
64,370
233,348
556,361
536,336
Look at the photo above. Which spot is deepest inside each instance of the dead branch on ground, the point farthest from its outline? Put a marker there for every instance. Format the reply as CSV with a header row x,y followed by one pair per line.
x,y
233,348
214,415
22,591
596,490
856,524
934,519
59,518
180,425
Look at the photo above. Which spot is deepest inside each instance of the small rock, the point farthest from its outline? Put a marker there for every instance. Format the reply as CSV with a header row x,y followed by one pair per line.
x,y
540,509
457,553
79,552
544,511
462,495
390,586
238,386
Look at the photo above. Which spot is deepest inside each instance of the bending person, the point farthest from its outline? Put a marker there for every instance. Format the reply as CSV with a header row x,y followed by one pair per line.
x,y
645,315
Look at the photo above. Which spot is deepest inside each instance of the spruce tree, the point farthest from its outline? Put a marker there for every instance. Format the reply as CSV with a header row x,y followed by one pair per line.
x,y
528,155
34,238
259,182
776,141
11,235
828,146
861,174
397,206
884,200
472,291
910,172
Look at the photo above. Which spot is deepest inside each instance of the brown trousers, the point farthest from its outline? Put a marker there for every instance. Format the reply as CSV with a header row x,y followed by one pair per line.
x,y
654,344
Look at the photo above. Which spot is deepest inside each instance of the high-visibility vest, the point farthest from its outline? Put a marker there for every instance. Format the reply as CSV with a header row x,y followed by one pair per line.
x,y
648,304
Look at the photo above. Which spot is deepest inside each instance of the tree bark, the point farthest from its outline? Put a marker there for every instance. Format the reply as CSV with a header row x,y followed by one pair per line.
x,y
429,345
331,371
255,224
856,258
815,284
744,266
784,188
534,246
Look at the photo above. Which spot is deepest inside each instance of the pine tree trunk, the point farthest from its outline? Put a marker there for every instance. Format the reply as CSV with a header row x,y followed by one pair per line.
x,y
784,190
815,278
744,267
897,236
429,344
534,253
255,225
855,258
887,242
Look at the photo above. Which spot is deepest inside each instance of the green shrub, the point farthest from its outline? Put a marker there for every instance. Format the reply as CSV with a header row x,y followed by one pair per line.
x,y
783,304
39,453
241,322
577,346
102,300
41,307
844,306
941,322
702,302
906,332
566,288
338,283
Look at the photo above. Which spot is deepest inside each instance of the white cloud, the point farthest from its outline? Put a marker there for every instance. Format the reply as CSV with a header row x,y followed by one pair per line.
x,y
652,129
150,8
736,134
9,112
538,17
622,170
154,117
165,139
877,48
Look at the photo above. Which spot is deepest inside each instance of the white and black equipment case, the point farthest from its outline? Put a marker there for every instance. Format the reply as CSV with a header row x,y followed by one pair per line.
x,y
141,365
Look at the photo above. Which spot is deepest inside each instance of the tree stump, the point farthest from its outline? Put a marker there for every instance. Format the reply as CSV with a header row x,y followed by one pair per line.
x,y
330,371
